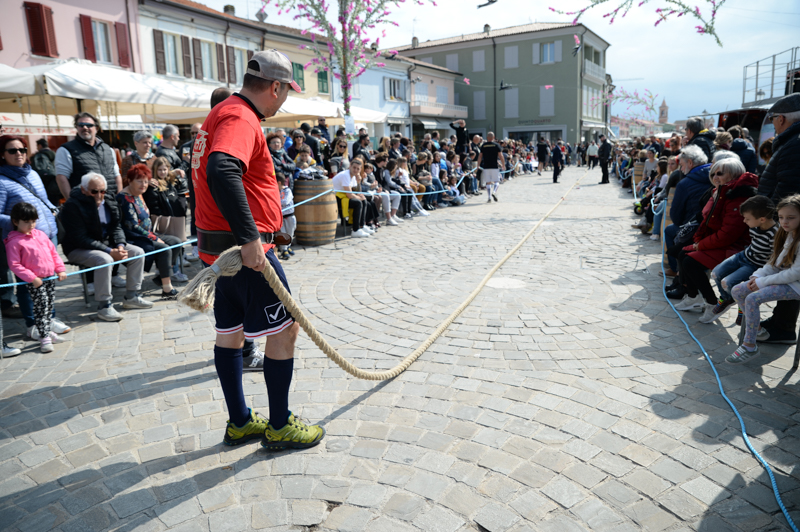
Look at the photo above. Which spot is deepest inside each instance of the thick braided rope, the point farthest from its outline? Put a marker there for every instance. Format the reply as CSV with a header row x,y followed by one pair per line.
x,y
298,315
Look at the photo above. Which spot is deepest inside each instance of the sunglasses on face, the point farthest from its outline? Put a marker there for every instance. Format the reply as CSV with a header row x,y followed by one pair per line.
x,y
87,125
717,174
14,151
95,192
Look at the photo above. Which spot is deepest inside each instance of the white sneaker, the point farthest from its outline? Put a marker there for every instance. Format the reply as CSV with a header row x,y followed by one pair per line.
x,y
368,230
118,282
396,219
9,351
59,327
359,234
56,339
179,277
390,221
423,213
708,313
90,289
691,303
192,256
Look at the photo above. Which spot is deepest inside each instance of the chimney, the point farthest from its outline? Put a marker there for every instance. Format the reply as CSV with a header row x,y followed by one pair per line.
x,y
229,10
414,42
486,28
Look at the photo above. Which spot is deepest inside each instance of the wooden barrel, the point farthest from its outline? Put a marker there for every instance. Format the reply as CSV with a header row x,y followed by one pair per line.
x,y
638,170
316,220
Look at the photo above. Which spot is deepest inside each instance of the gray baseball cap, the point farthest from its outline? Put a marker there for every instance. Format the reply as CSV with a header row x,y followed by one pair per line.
x,y
275,66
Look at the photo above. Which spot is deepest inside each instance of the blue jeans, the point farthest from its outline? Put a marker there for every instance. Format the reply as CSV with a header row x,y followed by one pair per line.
x,y
669,240
658,217
732,271
437,185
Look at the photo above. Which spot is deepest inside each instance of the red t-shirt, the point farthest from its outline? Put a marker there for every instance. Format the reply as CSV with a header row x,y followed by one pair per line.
x,y
233,128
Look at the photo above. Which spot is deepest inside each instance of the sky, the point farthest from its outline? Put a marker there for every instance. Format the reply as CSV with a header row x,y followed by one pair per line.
x,y
690,70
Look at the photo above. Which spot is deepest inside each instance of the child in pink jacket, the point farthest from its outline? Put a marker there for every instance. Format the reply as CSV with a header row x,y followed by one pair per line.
x,y
32,257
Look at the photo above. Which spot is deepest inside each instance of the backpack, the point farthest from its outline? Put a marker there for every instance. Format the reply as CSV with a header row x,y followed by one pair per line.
x,y
43,164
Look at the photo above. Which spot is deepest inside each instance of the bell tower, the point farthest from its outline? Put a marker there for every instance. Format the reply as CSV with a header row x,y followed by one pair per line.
x,y
663,112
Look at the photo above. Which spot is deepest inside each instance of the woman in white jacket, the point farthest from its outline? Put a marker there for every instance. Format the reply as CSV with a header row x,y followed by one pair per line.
x,y
778,280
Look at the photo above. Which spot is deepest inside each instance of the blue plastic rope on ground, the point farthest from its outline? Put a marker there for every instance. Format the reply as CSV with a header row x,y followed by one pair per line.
x,y
722,391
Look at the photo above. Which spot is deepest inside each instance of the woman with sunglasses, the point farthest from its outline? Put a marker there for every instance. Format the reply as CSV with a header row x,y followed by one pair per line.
x,y
339,160
19,182
280,159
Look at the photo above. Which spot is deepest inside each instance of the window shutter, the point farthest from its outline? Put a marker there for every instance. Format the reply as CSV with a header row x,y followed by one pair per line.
x,y
161,58
512,103
187,56
88,38
221,63
452,61
231,58
558,51
407,90
41,29
479,105
512,56
121,29
478,61
547,101
536,53
387,94
197,49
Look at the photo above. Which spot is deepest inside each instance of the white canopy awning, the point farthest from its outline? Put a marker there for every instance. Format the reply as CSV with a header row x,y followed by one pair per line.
x,y
14,81
588,124
427,123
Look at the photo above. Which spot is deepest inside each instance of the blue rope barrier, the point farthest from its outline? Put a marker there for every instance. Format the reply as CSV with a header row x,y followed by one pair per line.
x,y
775,490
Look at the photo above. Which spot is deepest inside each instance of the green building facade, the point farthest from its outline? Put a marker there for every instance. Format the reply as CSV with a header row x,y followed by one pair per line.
x,y
549,92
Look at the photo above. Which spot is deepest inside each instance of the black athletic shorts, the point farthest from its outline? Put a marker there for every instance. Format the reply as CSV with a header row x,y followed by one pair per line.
x,y
246,302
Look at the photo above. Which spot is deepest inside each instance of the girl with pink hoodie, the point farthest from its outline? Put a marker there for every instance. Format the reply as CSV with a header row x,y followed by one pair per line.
x,y
33,257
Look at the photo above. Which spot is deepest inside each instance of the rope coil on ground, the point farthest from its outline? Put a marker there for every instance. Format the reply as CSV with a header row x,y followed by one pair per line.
x,y
199,295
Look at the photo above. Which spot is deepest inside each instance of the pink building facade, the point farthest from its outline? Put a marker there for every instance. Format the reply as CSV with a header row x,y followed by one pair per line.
x,y
106,33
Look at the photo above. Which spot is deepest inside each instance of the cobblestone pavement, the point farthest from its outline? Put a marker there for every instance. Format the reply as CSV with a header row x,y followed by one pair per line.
x,y
567,397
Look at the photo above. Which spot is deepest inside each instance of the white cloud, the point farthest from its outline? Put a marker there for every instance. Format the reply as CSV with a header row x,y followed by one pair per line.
x,y
686,68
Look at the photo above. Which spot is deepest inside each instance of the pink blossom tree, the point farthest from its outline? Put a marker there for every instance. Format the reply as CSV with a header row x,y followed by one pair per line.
x,y
706,17
640,105
339,37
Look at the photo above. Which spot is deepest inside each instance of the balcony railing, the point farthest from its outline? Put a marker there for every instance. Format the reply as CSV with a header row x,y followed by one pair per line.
x,y
594,70
422,100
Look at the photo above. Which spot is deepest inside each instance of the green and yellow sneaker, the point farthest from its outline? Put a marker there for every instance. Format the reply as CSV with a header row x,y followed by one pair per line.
x,y
252,430
295,435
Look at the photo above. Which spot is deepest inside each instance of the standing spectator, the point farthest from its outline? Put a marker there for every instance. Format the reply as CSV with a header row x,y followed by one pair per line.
x,y
289,220
592,151
323,128
86,153
298,140
541,154
746,153
280,159
699,136
33,257
170,139
604,154
780,179
93,237
20,183
558,161
186,155
44,162
143,142
362,148
311,140
338,160
461,135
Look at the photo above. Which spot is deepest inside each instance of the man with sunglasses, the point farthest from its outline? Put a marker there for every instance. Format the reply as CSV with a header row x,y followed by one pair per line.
x,y
781,178
87,153
93,236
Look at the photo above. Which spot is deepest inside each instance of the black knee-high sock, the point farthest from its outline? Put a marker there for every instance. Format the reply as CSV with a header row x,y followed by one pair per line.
x,y
278,376
229,369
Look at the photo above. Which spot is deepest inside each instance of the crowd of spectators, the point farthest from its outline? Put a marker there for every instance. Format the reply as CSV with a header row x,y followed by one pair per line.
x,y
723,206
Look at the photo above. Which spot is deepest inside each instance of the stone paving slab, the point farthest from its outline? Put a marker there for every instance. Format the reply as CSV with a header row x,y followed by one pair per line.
x,y
566,397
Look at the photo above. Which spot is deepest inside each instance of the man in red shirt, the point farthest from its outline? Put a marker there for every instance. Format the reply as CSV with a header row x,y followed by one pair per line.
x,y
238,203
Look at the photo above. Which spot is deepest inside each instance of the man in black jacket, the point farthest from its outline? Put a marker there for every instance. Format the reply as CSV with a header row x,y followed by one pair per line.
x,y
461,135
312,142
701,137
781,178
604,154
93,236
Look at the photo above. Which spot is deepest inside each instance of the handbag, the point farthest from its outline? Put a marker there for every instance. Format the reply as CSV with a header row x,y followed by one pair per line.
x,y
686,233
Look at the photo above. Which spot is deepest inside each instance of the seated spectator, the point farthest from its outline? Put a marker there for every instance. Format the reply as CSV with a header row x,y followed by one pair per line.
x,y
339,159
405,179
138,228
721,234
345,183
452,194
298,139
93,236
304,157
20,183
143,141
686,203
741,147
388,190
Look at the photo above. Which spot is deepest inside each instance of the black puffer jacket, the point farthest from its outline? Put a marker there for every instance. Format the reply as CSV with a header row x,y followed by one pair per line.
x,y
746,154
705,141
283,163
82,228
781,177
